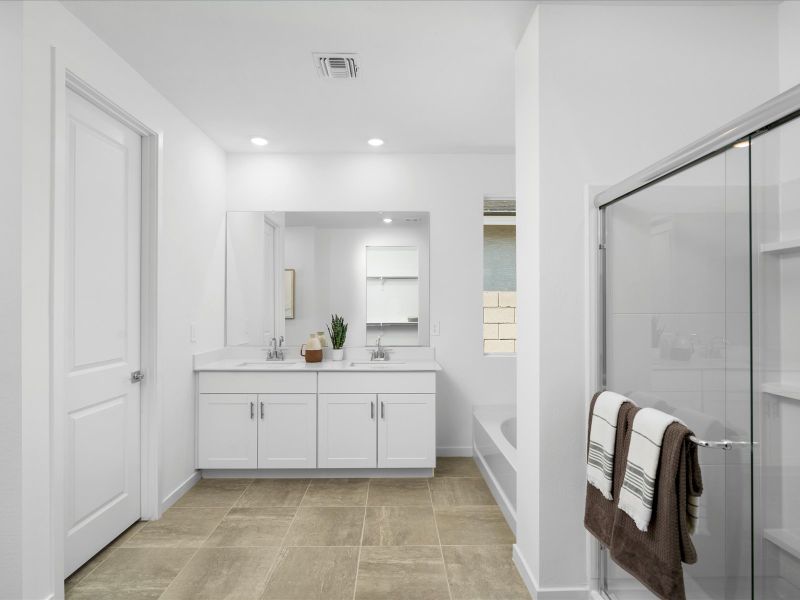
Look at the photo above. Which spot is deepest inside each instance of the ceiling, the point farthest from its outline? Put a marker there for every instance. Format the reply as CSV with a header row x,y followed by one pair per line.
x,y
436,76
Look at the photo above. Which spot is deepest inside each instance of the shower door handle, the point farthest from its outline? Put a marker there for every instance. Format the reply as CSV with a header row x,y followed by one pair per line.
x,y
720,444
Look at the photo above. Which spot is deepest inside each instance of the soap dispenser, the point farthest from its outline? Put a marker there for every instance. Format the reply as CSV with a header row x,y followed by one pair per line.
x,y
312,349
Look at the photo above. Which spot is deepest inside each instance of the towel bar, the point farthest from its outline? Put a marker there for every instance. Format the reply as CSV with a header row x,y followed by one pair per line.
x,y
719,444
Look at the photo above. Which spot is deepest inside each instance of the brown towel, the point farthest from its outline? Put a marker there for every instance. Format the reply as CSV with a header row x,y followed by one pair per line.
x,y
600,513
654,557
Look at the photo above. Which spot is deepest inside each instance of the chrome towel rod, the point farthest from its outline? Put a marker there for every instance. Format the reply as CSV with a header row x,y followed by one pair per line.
x,y
718,444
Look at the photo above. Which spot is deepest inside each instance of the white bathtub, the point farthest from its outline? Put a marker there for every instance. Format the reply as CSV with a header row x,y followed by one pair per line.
x,y
494,444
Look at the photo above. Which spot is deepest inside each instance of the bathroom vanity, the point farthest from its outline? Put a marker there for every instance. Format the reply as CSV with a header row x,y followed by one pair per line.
x,y
254,414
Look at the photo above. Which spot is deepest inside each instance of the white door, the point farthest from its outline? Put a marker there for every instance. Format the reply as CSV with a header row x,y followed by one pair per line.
x,y
287,431
406,430
227,433
101,330
347,430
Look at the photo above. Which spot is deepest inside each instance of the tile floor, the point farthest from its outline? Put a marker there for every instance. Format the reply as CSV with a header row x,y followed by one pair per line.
x,y
320,539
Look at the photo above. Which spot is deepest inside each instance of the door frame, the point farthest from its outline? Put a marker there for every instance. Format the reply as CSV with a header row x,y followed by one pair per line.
x,y
150,418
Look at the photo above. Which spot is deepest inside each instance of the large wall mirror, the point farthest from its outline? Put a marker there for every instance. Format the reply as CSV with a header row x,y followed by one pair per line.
x,y
287,272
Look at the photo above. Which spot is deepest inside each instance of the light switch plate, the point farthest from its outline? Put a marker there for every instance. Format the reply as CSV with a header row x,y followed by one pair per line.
x,y
193,332
435,328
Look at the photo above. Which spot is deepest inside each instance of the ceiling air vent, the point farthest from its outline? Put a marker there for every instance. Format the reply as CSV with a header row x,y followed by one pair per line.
x,y
336,66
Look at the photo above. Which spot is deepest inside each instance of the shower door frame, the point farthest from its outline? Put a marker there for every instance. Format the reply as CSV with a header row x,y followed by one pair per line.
x,y
765,117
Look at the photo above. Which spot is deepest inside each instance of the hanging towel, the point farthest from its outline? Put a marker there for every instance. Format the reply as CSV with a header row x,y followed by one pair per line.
x,y
602,441
654,556
600,512
639,484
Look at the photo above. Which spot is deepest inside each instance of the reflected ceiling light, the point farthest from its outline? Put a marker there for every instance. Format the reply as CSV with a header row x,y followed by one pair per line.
x,y
375,142
387,220
742,144
259,141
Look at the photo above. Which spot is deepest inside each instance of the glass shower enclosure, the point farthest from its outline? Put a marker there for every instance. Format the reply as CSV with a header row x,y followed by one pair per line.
x,y
699,288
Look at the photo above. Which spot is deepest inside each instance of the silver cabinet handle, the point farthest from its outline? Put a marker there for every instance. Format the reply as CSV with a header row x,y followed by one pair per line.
x,y
371,409
262,411
252,410
382,409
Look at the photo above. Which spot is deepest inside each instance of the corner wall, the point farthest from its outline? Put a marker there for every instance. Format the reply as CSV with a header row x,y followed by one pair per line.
x,y
451,188
602,91
10,307
190,266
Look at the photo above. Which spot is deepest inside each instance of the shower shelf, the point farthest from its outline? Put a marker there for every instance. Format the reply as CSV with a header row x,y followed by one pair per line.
x,y
781,247
782,389
785,539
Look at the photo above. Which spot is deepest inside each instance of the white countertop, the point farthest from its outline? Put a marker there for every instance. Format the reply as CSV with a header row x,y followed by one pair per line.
x,y
294,366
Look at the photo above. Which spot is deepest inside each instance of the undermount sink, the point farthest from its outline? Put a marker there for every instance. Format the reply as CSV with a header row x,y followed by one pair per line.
x,y
375,364
269,365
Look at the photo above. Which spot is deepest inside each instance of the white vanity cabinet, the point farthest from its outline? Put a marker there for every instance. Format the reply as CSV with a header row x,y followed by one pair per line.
x,y
257,420
383,420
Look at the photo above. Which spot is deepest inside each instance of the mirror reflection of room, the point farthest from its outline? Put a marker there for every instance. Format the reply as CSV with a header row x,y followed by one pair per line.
x,y
287,273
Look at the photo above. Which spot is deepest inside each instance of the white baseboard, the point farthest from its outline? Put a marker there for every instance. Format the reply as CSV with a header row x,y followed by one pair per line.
x,y
454,451
314,473
553,593
179,491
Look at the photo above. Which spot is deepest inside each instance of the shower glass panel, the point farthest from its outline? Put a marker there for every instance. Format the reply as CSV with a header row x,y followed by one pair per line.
x,y
776,362
678,339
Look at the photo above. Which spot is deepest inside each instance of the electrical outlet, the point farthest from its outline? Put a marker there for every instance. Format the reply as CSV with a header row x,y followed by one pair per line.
x,y
435,329
193,332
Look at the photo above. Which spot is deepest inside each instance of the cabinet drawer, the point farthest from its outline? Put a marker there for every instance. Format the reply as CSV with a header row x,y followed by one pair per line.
x,y
229,382
377,383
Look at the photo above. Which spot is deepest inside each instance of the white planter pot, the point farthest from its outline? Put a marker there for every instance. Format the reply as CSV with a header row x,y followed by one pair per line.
x,y
337,354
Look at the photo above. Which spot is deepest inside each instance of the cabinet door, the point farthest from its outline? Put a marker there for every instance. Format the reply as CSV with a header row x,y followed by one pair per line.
x,y
227,432
347,430
406,430
287,431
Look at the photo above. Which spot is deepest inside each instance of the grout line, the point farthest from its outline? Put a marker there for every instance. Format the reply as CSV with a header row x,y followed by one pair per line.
x,y
282,545
361,540
439,537
197,550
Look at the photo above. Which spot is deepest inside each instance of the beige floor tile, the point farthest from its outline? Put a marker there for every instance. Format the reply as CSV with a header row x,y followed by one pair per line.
x,y
401,573
483,573
456,466
398,492
326,526
178,527
336,492
133,573
459,491
274,492
400,526
89,566
223,574
472,525
252,527
128,533
313,574
213,493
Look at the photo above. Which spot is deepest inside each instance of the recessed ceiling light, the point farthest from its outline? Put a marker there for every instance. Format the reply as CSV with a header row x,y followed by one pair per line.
x,y
259,141
387,220
375,142
742,144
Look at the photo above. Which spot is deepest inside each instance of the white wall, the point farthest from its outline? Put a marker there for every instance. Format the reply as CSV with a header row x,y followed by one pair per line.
x,y
789,43
603,91
190,262
10,340
451,188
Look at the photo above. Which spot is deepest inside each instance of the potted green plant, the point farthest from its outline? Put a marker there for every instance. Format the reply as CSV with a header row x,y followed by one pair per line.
x,y
337,331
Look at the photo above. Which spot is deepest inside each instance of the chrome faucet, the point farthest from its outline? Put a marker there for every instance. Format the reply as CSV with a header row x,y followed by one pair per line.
x,y
275,350
380,353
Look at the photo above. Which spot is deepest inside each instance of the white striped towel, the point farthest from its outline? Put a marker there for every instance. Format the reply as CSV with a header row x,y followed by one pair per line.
x,y
644,453
602,441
